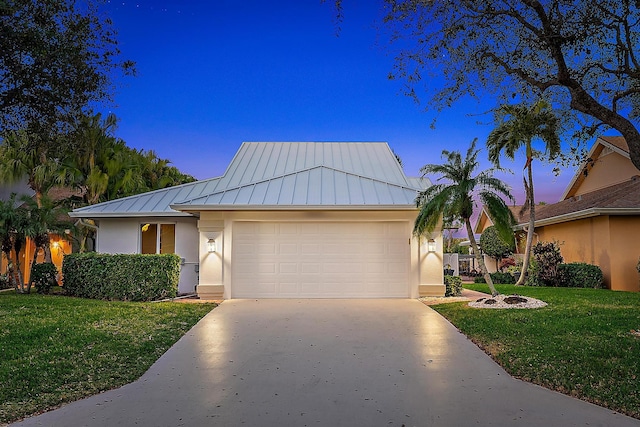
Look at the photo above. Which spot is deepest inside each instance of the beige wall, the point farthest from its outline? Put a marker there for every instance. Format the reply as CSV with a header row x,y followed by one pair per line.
x,y
426,274
609,169
122,236
624,251
610,242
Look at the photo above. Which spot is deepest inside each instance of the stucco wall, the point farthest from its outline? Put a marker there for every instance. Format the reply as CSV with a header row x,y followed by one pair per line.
x,y
215,268
587,240
624,252
610,242
609,169
122,236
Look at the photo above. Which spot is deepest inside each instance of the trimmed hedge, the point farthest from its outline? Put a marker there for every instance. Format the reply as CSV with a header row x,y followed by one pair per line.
x,y
126,277
580,275
498,277
453,286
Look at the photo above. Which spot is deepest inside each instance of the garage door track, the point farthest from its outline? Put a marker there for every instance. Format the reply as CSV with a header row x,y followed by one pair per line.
x,y
327,363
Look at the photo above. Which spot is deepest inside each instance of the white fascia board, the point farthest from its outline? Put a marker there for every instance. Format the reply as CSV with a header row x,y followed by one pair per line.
x,y
191,208
586,213
127,214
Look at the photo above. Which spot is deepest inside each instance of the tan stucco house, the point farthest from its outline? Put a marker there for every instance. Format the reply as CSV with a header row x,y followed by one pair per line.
x,y
286,220
597,219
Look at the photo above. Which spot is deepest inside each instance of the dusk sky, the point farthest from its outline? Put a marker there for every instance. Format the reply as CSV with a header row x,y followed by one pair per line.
x,y
213,74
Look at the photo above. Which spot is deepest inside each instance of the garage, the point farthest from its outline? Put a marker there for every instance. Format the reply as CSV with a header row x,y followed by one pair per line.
x,y
369,259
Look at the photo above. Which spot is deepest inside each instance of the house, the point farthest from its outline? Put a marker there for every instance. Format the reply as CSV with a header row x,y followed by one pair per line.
x,y
286,220
597,219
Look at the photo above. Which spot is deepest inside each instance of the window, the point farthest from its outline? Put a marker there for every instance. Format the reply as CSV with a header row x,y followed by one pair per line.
x,y
158,238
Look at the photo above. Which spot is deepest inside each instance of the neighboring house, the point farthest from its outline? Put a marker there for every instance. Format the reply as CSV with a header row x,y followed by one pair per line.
x,y
597,220
286,220
59,246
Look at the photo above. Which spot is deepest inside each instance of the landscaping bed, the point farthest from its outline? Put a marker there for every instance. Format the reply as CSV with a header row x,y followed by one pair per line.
x,y
58,349
584,343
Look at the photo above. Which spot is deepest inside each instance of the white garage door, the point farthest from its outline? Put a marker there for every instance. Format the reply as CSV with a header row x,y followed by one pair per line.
x,y
320,259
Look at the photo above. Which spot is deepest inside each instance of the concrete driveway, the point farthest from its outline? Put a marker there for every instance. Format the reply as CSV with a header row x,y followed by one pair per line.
x,y
327,363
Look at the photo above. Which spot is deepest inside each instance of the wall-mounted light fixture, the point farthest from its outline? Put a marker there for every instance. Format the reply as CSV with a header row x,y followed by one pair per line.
x,y
211,245
431,245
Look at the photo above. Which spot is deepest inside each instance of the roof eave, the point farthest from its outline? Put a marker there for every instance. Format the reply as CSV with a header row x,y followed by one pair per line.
x,y
196,208
127,214
585,213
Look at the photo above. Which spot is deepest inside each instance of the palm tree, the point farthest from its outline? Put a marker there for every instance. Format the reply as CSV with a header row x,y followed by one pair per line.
x,y
455,198
21,155
13,222
44,219
518,126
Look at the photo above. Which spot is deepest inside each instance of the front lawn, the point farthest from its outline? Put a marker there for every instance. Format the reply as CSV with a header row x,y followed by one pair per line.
x,y
56,349
585,343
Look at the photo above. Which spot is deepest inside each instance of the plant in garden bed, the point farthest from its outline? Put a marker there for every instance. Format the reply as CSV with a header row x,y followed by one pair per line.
x,y
453,286
44,277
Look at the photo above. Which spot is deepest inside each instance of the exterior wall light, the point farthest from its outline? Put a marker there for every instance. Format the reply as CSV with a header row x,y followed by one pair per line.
x,y
431,245
211,245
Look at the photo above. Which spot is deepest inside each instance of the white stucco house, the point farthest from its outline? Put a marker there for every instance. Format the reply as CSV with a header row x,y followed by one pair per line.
x,y
286,220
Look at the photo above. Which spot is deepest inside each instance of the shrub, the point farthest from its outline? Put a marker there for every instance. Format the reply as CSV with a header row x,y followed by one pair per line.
x,y
544,272
507,263
453,286
5,283
44,277
580,275
498,277
493,245
127,277
503,278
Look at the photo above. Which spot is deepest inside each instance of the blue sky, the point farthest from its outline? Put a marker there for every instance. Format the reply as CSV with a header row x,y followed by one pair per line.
x,y
212,74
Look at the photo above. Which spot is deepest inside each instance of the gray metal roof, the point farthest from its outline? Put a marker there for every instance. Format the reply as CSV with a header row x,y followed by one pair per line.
x,y
284,175
153,203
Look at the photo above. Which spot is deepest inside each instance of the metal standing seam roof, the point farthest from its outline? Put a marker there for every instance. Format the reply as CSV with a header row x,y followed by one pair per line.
x,y
284,175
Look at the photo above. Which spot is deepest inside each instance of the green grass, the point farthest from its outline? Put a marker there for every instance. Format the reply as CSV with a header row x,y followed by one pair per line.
x,y
56,349
581,344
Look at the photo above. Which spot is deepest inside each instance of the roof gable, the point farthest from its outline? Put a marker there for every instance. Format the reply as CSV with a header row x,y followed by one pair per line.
x,y
603,146
316,186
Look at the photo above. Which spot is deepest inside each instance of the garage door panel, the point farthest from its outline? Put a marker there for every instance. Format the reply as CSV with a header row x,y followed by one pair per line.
x,y
288,248
310,249
320,260
288,267
288,288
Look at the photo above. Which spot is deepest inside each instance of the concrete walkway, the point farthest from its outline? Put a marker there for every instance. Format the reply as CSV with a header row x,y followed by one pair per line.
x,y
327,363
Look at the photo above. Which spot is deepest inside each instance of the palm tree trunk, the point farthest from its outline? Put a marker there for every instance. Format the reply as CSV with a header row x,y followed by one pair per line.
x,y
17,271
532,221
479,258
47,251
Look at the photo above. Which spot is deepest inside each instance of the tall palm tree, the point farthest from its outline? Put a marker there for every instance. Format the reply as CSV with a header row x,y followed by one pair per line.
x,y
518,126
455,198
